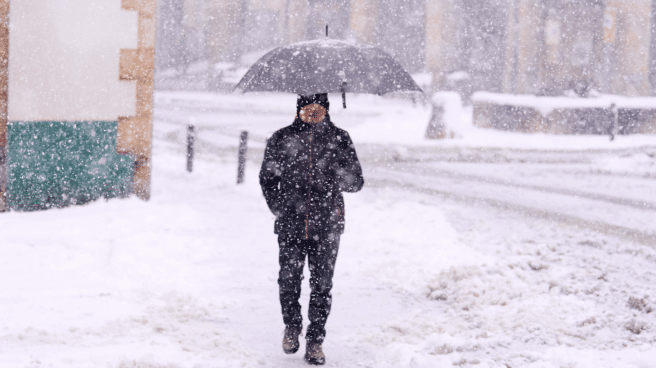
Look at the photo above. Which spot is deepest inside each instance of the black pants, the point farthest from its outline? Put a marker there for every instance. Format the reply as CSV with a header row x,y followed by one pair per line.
x,y
321,255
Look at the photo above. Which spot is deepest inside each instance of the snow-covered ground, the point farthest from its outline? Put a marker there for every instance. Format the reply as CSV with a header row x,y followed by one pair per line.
x,y
496,249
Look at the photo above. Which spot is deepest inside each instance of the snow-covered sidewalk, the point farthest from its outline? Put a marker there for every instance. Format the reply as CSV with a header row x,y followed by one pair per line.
x,y
188,279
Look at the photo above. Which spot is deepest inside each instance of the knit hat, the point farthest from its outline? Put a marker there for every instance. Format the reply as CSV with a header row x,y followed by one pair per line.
x,y
321,99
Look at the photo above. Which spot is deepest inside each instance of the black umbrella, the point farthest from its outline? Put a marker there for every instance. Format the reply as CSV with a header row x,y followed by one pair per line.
x,y
327,66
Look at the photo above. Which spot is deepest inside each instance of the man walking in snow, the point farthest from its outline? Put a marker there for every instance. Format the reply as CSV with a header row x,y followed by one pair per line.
x,y
306,167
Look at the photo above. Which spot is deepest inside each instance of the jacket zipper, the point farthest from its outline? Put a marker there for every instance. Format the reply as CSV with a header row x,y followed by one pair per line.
x,y
307,214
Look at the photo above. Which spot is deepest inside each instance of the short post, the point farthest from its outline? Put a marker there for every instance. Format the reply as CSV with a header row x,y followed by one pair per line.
x,y
190,147
613,124
243,139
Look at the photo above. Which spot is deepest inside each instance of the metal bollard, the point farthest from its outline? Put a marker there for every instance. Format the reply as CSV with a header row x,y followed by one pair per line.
x,y
190,147
613,125
243,139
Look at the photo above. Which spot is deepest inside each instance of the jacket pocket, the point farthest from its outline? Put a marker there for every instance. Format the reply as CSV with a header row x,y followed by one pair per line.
x,y
277,227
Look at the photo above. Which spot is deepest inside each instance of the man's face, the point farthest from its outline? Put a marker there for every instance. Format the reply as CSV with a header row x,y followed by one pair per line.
x,y
312,113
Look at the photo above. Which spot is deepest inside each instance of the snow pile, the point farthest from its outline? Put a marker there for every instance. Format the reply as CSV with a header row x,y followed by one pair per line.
x,y
518,299
537,309
484,311
413,242
642,164
451,102
379,120
423,80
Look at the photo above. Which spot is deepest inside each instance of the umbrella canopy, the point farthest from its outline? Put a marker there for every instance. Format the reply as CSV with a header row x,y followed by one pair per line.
x,y
327,66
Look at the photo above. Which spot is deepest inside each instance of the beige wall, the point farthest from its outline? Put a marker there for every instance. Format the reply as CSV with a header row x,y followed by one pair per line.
x,y
135,131
630,39
276,5
296,18
223,20
552,51
441,38
523,47
570,57
194,13
223,17
364,20
529,20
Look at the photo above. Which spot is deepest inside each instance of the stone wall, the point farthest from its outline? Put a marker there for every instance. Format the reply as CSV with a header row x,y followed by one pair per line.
x,y
559,116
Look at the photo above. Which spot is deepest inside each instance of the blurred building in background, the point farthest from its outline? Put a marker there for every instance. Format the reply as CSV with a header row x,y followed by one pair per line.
x,y
540,47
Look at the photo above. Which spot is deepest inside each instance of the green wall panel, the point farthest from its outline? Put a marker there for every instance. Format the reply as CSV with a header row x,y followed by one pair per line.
x,y
57,164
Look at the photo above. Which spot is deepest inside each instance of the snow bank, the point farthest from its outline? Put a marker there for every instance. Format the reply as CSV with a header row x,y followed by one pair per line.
x,y
451,102
415,245
537,312
641,164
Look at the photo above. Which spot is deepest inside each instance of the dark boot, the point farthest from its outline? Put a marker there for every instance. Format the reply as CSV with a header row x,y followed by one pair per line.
x,y
314,355
290,342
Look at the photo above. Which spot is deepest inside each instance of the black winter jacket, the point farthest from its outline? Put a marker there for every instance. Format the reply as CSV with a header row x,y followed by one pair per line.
x,y
306,167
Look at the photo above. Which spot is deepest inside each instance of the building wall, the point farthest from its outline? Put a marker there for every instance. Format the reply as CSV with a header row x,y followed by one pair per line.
x,y
482,44
442,20
295,21
78,123
170,34
335,13
363,20
629,43
223,24
134,132
543,47
263,25
74,76
401,32
572,42
555,46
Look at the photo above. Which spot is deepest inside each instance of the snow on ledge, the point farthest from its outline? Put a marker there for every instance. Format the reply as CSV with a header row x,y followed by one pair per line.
x,y
545,105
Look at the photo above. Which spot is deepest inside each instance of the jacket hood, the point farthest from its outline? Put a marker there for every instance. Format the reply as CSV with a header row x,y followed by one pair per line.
x,y
320,99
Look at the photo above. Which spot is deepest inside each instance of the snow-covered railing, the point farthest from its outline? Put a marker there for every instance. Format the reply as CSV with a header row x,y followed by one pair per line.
x,y
606,114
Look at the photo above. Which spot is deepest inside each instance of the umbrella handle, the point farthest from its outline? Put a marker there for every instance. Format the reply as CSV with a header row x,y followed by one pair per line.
x,y
343,89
